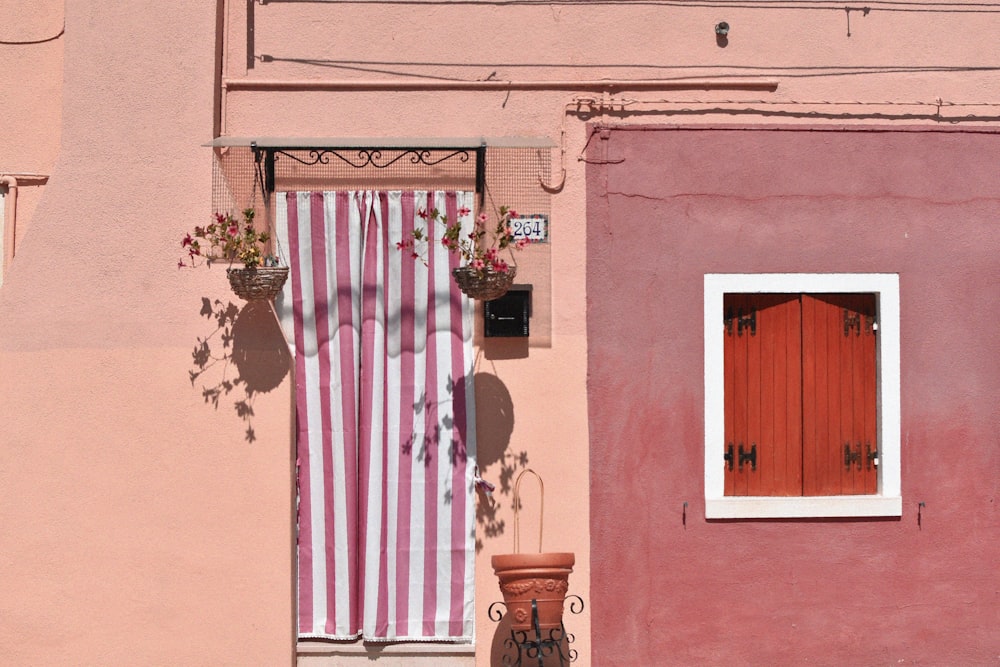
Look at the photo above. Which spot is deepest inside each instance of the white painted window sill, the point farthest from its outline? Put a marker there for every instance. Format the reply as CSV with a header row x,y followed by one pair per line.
x,y
807,507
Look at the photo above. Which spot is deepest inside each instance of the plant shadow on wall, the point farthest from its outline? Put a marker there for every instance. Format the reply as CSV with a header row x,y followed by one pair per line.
x,y
495,423
244,355
497,464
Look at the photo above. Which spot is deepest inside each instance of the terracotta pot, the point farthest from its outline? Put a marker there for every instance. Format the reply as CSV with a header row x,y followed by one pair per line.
x,y
541,577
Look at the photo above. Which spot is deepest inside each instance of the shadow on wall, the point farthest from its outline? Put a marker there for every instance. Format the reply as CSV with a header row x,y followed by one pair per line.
x,y
497,465
494,425
426,445
248,340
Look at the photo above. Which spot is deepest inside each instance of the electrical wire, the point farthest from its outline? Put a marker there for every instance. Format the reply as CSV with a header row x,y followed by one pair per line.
x,y
7,42
803,71
826,5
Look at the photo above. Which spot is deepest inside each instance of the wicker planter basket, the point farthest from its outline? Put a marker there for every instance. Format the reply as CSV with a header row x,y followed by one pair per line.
x,y
257,283
485,286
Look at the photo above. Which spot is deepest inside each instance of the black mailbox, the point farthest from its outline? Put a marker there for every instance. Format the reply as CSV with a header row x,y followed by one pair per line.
x,y
508,316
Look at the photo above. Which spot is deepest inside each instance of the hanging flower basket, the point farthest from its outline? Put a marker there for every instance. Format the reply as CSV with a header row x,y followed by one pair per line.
x,y
227,239
257,282
485,284
541,578
485,275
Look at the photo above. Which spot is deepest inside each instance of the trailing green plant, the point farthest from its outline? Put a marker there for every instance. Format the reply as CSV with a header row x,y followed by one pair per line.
x,y
479,249
229,240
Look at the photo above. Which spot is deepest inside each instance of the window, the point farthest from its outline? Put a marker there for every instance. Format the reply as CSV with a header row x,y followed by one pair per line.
x,y
801,395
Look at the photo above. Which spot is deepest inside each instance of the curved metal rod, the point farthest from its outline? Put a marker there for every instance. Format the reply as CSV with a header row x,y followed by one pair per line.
x,y
498,612
506,659
424,157
558,638
519,640
373,156
540,650
574,601
553,188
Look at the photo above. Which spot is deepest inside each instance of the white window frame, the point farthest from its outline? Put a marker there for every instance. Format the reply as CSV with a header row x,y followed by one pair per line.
x,y
888,501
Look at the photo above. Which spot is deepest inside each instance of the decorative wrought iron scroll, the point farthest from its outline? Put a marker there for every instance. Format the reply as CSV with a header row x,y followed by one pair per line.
x,y
359,158
538,646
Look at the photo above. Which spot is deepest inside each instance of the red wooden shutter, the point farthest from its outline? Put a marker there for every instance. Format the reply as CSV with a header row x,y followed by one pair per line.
x,y
763,383
800,394
838,407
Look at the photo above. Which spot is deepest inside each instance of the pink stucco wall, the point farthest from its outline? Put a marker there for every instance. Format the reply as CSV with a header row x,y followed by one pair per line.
x,y
139,524
31,50
671,204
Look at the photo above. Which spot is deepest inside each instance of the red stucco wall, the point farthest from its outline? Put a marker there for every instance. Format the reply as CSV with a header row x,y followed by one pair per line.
x,y
666,206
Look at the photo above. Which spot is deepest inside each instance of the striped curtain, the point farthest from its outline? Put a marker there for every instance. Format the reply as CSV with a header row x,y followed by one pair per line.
x,y
385,417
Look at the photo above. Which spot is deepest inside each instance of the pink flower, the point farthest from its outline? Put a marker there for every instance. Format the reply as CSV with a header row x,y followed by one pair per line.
x,y
181,264
522,242
464,211
422,213
500,266
483,218
491,255
478,264
186,241
233,230
512,213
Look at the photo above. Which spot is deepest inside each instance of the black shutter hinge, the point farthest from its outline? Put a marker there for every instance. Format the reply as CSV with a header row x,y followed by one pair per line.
x,y
853,321
748,456
748,321
852,457
871,455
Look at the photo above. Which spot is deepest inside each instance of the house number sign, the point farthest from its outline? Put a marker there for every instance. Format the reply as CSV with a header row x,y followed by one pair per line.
x,y
535,228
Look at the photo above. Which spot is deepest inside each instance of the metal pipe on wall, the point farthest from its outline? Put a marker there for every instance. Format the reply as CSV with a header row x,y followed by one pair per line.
x,y
13,182
9,217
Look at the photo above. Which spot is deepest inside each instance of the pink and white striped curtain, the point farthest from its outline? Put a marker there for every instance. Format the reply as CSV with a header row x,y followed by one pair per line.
x,y
385,417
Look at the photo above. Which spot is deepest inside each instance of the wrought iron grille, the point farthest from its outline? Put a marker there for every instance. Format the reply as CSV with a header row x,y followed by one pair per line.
x,y
510,176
